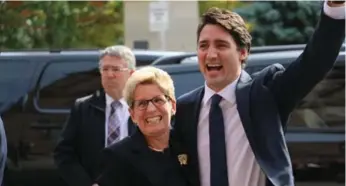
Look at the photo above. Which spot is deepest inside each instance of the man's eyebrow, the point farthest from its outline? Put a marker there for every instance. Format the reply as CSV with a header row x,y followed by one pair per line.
x,y
202,42
217,40
221,41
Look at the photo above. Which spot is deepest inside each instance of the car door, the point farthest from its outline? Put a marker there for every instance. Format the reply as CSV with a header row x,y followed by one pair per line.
x,y
60,82
316,130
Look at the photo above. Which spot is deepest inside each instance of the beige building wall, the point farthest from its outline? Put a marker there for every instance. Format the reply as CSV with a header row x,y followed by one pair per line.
x,y
181,33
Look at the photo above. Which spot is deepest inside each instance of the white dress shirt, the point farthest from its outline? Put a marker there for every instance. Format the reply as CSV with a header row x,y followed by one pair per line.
x,y
243,168
120,111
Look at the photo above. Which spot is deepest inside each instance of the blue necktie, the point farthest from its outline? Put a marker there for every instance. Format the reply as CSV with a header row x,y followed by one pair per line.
x,y
218,161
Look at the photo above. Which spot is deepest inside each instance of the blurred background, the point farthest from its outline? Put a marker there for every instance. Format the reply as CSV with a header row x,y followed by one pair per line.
x,y
167,25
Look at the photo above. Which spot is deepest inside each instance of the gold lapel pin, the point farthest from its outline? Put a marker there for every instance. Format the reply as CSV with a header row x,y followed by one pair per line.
x,y
182,159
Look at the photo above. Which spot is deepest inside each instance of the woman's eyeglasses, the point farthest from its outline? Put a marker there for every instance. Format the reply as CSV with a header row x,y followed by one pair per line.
x,y
157,101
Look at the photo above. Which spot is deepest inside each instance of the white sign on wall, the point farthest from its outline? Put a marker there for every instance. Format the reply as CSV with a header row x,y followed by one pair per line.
x,y
158,16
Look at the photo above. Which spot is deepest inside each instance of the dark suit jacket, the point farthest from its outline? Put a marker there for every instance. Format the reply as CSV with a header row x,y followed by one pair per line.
x,y
3,151
131,163
265,102
77,154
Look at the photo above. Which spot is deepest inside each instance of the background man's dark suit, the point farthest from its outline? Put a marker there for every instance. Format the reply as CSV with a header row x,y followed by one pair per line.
x,y
78,151
265,102
3,151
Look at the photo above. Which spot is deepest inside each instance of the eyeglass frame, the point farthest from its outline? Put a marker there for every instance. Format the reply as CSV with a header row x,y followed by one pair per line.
x,y
114,69
147,101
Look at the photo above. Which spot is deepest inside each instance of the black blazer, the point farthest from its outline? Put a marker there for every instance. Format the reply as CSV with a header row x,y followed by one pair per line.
x,y
130,162
77,154
3,151
265,102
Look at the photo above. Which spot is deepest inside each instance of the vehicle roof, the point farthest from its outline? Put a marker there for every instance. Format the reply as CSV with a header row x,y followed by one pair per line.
x,y
259,59
259,52
82,52
265,58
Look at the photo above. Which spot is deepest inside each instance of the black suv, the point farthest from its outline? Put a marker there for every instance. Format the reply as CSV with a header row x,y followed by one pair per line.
x,y
35,106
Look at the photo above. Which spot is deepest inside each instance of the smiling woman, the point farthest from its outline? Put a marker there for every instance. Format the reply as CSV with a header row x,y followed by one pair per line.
x,y
148,156
150,94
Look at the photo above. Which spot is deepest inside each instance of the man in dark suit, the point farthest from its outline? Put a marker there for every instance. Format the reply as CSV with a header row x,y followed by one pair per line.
x,y
232,129
96,121
3,151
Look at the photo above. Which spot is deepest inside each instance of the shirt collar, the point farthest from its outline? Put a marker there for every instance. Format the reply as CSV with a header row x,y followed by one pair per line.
x,y
109,101
227,93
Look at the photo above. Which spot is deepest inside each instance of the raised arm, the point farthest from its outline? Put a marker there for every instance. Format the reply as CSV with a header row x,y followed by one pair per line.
x,y
291,85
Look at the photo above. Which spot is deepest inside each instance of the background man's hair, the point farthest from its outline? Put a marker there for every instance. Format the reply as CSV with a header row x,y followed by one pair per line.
x,y
120,51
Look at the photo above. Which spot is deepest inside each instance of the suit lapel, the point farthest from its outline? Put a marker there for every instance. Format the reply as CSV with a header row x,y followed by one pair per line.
x,y
243,95
193,165
196,110
98,102
243,98
243,104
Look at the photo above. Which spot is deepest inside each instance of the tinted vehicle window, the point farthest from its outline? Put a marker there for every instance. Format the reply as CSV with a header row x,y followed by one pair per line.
x,y
32,133
15,80
142,60
324,106
187,81
63,82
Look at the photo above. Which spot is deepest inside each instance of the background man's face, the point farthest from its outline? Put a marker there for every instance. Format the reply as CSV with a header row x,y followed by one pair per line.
x,y
114,74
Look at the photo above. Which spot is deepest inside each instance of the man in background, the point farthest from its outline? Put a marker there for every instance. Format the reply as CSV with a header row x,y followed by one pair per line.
x,y
96,121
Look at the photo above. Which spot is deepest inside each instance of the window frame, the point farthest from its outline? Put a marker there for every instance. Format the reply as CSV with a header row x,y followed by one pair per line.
x,y
38,87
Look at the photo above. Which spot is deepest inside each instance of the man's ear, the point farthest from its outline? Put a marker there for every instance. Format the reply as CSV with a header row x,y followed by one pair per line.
x,y
243,53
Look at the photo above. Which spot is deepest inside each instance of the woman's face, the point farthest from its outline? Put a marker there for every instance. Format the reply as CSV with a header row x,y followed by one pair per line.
x,y
152,110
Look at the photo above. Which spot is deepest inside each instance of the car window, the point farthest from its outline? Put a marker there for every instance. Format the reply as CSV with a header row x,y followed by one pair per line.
x,y
63,82
187,81
142,60
193,59
15,81
324,106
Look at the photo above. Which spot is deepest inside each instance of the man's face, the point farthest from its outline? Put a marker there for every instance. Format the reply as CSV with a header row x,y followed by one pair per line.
x,y
219,57
114,74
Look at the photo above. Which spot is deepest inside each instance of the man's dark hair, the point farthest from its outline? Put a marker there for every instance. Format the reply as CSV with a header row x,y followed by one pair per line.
x,y
231,22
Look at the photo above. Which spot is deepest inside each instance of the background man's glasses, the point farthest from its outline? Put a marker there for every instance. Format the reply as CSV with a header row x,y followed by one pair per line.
x,y
113,69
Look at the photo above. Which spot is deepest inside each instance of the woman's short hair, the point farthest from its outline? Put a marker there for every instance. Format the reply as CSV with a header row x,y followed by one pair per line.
x,y
149,75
